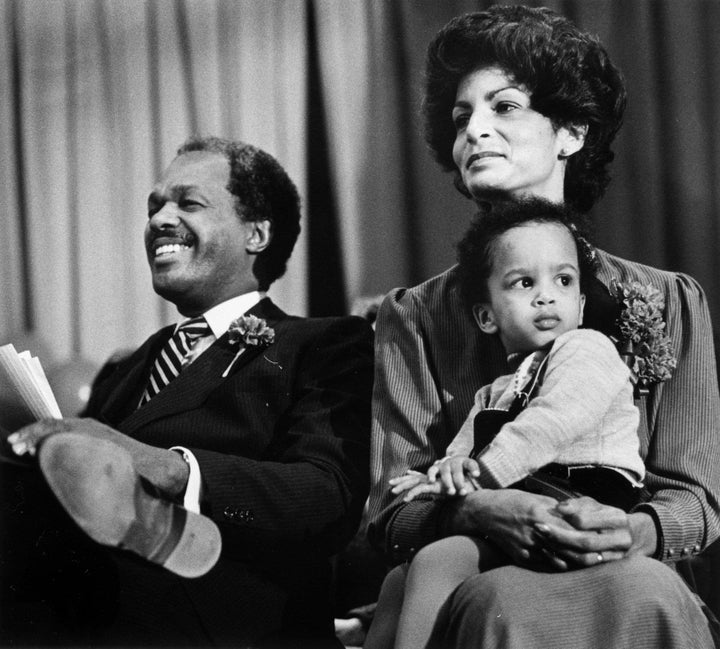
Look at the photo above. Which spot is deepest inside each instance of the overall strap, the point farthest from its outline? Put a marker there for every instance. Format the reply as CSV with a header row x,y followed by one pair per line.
x,y
488,422
531,382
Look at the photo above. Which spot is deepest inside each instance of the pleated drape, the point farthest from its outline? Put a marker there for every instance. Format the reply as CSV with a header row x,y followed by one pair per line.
x,y
95,96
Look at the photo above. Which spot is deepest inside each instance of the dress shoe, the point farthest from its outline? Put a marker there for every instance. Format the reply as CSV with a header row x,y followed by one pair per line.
x,y
96,482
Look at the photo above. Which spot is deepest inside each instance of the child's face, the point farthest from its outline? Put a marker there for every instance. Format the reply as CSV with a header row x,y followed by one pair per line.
x,y
534,287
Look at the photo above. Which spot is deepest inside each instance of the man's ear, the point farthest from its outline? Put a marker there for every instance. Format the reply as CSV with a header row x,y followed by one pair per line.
x,y
572,139
485,318
259,237
581,309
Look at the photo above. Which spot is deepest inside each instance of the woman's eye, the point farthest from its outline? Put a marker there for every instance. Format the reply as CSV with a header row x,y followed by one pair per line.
x,y
461,121
505,107
190,205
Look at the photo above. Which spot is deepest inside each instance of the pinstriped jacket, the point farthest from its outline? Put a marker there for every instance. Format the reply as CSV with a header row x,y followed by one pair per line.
x,y
282,444
431,359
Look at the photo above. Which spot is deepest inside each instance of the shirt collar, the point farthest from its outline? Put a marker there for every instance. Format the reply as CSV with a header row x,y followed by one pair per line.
x,y
221,315
515,359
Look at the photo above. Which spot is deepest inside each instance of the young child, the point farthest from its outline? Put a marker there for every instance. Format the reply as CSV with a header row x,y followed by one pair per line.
x,y
568,408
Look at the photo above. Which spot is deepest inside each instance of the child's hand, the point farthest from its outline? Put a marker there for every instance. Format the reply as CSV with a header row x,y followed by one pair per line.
x,y
457,475
415,483
407,482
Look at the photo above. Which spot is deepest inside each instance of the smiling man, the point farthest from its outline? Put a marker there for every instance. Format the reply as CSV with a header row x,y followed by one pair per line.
x,y
201,241
221,464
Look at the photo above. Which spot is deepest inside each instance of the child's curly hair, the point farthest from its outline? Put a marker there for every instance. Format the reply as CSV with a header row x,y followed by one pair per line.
x,y
476,250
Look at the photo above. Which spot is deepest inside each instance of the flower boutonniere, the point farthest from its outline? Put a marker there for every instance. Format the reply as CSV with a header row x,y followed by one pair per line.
x,y
248,331
643,342
251,331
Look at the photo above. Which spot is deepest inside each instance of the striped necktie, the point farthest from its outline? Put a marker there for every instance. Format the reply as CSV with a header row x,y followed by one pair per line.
x,y
169,361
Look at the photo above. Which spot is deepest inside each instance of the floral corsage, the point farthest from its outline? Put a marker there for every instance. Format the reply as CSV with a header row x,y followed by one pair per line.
x,y
248,331
642,340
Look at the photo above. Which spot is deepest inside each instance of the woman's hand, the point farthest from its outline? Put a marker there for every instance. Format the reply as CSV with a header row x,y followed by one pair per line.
x,y
509,518
598,533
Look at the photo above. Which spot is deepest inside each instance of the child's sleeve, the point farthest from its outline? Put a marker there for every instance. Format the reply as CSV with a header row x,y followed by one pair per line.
x,y
583,378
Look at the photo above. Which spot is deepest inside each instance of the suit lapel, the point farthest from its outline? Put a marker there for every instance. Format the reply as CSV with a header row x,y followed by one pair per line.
x,y
203,376
125,395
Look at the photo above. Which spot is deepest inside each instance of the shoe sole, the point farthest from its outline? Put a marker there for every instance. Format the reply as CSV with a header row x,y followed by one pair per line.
x,y
95,482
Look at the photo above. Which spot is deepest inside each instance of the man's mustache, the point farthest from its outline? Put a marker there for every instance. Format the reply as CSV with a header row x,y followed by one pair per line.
x,y
171,236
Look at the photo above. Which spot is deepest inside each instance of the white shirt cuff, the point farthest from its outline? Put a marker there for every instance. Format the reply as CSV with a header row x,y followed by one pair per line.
x,y
191,501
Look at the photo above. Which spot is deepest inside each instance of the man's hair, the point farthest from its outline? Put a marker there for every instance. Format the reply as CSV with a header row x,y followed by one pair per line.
x,y
566,70
263,191
476,251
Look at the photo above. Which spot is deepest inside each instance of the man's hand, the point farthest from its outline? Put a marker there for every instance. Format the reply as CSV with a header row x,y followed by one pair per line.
x,y
597,533
165,469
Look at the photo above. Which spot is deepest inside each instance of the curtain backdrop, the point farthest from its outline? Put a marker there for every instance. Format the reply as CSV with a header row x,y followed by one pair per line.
x,y
96,95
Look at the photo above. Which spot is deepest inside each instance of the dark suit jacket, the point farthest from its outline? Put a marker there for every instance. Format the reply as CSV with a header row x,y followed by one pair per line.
x,y
282,444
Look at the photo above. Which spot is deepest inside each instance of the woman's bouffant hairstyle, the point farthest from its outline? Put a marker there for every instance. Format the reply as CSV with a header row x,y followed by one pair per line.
x,y
476,251
566,70
263,191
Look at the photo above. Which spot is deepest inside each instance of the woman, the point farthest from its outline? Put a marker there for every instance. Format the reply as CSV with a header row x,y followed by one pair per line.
x,y
521,102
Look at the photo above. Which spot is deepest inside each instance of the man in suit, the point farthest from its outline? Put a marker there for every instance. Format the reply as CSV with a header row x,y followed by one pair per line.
x,y
265,430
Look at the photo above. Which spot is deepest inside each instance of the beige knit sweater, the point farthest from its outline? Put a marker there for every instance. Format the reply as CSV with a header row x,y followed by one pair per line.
x,y
583,414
